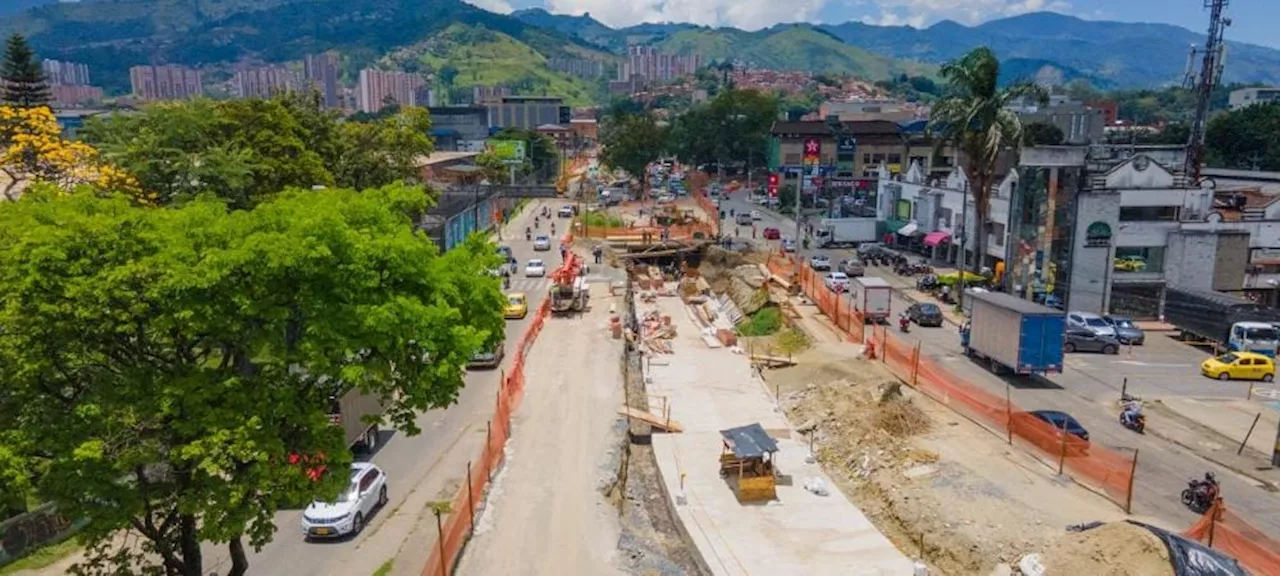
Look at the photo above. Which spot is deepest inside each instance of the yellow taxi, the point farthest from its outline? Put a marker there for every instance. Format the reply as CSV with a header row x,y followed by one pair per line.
x,y
517,307
1240,366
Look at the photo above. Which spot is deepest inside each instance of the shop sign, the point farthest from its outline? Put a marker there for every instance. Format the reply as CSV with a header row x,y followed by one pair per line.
x,y
1097,235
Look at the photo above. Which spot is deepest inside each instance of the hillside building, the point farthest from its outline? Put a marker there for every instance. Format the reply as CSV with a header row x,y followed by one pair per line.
x,y
59,73
321,71
265,82
1246,97
377,88
167,82
578,67
528,112
649,63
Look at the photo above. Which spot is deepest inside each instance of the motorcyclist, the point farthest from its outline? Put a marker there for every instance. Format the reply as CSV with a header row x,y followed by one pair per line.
x,y
535,222
1210,486
1132,410
528,233
553,227
904,322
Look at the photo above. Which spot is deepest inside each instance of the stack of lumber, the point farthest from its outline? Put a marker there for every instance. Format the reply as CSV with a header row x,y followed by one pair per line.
x,y
657,333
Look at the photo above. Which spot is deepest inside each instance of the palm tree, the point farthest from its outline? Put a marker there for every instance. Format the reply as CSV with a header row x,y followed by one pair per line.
x,y
975,118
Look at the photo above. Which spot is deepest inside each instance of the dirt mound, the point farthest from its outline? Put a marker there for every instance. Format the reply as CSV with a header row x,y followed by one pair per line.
x,y
1114,549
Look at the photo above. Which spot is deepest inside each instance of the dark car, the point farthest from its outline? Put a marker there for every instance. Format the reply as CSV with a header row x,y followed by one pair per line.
x,y
925,314
1062,421
1126,331
1083,340
1075,442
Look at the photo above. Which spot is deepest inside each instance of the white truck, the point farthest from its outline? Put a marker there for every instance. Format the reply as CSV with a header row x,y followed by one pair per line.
x,y
353,412
872,297
838,232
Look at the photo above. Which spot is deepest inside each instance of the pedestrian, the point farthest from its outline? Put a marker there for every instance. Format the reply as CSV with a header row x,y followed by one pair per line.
x,y
753,231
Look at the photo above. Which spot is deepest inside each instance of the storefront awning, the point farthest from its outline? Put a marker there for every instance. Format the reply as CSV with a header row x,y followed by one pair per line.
x,y
935,238
909,229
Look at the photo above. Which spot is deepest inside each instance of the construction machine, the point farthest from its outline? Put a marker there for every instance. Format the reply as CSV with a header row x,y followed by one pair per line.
x,y
569,287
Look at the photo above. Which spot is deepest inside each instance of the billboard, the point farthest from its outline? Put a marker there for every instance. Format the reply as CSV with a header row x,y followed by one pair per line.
x,y
508,150
812,151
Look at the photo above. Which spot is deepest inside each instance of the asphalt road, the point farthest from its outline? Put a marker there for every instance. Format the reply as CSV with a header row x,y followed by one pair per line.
x,y
1089,389
408,461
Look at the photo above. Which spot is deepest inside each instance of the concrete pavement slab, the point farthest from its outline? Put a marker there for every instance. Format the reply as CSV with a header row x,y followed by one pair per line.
x,y
800,533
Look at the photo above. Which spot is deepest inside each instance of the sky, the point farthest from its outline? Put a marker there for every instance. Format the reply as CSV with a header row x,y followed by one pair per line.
x,y
1254,20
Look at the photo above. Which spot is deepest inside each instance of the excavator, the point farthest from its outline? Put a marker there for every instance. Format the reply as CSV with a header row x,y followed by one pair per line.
x,y
569,287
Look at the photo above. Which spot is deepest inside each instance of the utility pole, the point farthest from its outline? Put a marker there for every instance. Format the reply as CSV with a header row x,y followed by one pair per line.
x,y
1203,85
962,259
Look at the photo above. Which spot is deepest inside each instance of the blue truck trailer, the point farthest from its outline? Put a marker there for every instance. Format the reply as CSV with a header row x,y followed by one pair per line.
x,y
1012,334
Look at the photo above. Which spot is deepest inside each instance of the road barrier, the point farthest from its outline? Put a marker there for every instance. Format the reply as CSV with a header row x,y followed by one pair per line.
x,y
456,525
1221,529
1108,471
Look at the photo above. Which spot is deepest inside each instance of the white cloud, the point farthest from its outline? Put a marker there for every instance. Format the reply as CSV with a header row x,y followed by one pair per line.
x,y
499,6
918,13
745,14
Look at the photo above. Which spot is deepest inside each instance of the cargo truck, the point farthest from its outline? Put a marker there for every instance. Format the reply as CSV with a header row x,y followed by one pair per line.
x,y
844,232
872,297
357,412
1237,324
1013,334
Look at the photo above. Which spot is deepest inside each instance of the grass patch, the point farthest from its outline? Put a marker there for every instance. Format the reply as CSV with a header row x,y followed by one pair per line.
x,y
385,568
43,557
764,322
602,219
791,341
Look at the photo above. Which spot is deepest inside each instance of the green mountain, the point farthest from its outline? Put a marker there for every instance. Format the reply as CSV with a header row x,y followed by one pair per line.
x,y
112,35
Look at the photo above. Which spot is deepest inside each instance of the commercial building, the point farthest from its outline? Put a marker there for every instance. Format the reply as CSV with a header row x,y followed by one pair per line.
x,y
321,71
850,154
265,82
377,88
485,95
1080,123
460,128
864,110
1245,97
528,112
166,82
59,73
649,63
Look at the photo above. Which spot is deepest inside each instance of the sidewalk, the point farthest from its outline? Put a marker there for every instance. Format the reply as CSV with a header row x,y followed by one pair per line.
x,y
1214,427
709,390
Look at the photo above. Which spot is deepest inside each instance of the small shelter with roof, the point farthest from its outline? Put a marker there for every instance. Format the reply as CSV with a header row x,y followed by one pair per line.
x,y
747,462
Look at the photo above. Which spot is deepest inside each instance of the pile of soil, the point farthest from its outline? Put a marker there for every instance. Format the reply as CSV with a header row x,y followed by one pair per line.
x,y
1113,549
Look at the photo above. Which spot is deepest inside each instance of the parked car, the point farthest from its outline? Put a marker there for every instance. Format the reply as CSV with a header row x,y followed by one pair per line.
x,y
1240,366
1090,321
836,282
853,267
517,306
1085,340
820,263
565,211
1126,331
366,492
788,245
488,358
535,267
743,219
925,314
756,215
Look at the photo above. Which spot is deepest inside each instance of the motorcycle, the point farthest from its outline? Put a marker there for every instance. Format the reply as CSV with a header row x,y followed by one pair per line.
x,y
1199,495
904,324
927,283
1137,424
528,234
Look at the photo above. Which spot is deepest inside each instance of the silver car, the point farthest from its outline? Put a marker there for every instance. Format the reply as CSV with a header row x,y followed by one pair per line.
x,y
1126,331
1091,322
852,267
541,243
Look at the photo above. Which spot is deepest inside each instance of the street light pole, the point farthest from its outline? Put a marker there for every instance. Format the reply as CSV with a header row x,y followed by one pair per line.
x,y
963,257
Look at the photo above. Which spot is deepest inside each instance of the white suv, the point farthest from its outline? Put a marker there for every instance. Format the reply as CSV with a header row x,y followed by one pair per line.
x,y
837,282
347,514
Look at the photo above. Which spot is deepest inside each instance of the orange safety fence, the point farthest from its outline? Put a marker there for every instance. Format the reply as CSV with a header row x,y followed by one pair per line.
x,y
675,232
837,307
458,523
1107,470
1223,530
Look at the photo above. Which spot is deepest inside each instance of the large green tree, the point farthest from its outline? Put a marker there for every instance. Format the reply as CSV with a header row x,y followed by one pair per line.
x,y
732,128
245,151
975,117
541,157
632,142
1245,139
22,80
172,361
1041,134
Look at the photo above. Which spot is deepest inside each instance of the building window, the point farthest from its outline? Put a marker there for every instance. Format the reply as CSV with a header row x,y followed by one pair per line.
x,y
895,158
877,158
1150,213
870,173
845,157
1146,259
997,234
945,219
866,158
919,160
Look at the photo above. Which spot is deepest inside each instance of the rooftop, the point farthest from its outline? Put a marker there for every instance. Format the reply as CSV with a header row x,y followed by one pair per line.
x,y
440,157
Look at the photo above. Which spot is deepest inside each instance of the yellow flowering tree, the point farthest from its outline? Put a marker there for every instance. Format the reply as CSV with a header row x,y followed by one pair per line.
x,y
32,150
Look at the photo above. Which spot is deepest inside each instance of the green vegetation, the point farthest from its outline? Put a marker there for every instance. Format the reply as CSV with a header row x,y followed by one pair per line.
x,y
912,88
1041,134
22,81
1246,139
632,142
479,56
602,219
792,47
791,341
764,322
385,568
731,128
42,557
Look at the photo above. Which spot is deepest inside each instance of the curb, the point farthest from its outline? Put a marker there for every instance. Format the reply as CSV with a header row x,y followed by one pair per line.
x,y
1267,485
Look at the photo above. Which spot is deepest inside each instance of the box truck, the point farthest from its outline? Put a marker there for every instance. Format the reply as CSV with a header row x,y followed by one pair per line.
x,y
1234,323
837,232
1013,334
872,297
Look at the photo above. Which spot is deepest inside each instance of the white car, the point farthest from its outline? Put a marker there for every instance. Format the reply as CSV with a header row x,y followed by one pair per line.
x,y
366,492
541,243
819,263
565,212
534,268
756,215
837,282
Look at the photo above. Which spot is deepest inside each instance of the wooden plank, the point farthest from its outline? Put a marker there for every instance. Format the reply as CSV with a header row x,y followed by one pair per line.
x,y
772,360
651,419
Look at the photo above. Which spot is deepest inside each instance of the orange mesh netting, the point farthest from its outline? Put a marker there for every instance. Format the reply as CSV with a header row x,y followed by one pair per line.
x,y
1223,530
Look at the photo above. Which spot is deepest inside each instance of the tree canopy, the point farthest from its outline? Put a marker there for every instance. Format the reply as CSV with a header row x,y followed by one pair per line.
x,y
631,142
32,150
541,157
1245,139
731,128
171,361
245,151
22,80
1041,134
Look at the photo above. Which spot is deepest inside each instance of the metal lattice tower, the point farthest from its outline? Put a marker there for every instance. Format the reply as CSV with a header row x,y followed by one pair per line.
x,y
1203,85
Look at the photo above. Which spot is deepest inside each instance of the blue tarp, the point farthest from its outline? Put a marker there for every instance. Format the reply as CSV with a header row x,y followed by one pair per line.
x,y
750,441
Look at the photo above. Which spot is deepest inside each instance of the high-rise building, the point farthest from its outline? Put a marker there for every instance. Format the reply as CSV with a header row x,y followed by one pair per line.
x,y
580,67
265,82
651,64
65,96
378,87
166,82
61,73
322,72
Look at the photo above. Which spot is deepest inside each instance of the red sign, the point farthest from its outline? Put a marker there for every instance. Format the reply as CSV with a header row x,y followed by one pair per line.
x,y
773,191
812,151
773,180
